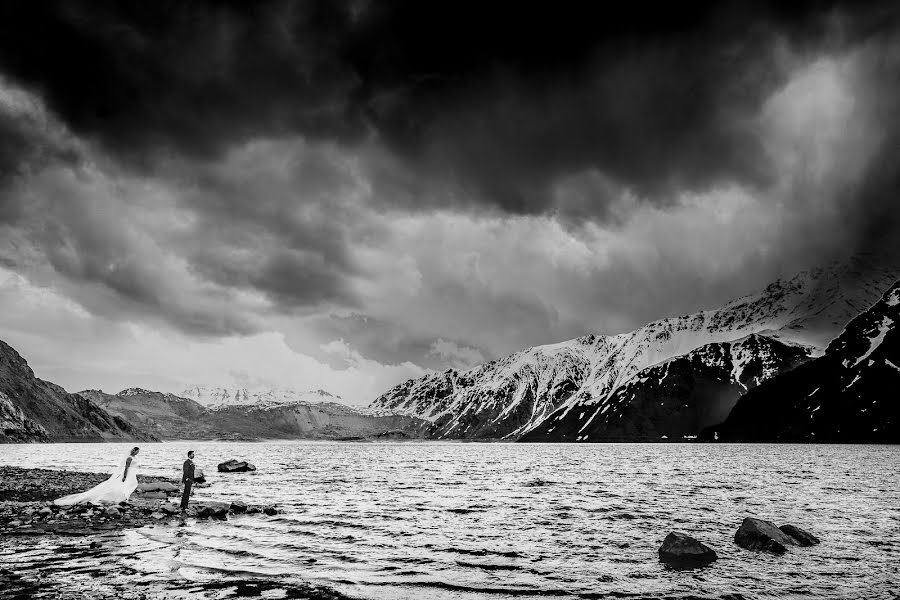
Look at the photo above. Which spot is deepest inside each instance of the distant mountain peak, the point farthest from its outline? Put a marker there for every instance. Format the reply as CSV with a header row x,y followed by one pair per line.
x,y
220,396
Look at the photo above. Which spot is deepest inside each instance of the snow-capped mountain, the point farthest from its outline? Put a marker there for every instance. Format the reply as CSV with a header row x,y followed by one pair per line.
x,y
675,399
214,397
510,397
846,395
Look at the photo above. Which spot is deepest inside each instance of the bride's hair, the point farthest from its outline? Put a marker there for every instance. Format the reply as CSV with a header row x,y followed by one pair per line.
x,y
135,449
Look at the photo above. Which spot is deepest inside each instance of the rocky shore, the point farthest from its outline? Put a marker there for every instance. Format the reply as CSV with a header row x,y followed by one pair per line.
x,y
47,551
26,504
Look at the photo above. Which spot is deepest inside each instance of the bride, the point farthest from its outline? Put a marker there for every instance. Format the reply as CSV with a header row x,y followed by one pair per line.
x,y
116,489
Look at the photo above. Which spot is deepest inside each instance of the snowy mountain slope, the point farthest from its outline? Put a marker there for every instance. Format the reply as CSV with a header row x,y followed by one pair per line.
x,y
214,397
677,398
509,397
847,395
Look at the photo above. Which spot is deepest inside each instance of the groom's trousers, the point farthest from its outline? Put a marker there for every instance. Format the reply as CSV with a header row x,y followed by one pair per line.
x,y
187,493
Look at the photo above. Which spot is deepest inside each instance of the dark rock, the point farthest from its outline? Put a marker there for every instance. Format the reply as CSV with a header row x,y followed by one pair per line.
x,y
682,549
270,510
112,511
238,507
756,534
199,476
803,538
169,509
235,466
213,512
95,544
157,486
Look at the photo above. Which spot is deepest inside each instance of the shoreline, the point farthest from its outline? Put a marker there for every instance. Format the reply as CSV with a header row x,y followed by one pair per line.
x,y
77,551
27,494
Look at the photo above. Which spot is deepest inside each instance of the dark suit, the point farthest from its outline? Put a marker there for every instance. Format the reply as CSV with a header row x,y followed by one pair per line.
x,y
187,478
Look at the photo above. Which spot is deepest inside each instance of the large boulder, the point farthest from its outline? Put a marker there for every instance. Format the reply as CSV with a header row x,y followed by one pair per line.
x,y
199,476
756,534
681,549
803,538
237,507
235,466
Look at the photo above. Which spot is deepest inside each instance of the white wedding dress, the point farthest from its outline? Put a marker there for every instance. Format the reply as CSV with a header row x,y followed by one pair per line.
x,y
111,491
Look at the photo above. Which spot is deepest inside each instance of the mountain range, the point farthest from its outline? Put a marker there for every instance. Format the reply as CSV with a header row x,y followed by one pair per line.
x,y
172,417
810,358
670,378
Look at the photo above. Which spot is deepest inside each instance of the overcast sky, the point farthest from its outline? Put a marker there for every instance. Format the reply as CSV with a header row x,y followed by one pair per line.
x,y
344,195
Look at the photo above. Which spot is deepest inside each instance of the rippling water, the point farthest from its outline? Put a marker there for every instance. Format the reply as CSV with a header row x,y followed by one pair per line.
x,y
465,521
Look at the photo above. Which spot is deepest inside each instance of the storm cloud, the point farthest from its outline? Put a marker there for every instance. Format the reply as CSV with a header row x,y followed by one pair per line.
x,y
434,184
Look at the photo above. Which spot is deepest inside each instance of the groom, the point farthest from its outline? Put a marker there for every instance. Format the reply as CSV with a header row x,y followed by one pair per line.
x,y
187,478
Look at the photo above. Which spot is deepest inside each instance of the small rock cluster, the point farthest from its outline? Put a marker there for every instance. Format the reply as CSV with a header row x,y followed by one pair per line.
x,y
679,549
756,534
221,510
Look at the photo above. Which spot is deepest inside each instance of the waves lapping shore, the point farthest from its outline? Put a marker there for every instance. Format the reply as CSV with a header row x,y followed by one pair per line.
x,y
464,522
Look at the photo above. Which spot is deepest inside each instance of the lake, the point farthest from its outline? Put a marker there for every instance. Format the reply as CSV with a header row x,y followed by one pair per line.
x,y
467,521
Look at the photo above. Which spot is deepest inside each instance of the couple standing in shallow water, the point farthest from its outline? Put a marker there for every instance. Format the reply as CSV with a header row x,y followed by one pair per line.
x,y
123,482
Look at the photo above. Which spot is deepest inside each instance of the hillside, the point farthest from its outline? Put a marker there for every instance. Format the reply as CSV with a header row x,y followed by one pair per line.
x,y
34,410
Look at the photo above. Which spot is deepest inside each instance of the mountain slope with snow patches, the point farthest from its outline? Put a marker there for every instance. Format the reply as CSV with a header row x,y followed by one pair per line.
x,y
509,397
847,395
675,399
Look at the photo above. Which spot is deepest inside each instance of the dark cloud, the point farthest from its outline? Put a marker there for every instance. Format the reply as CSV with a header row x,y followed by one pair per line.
x,y
282,137
493,100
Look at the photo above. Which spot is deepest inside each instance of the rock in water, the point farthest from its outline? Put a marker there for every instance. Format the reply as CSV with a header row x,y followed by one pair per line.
x,y
270,510
682,549
803,538
199,476
235,466
756,534
213,512
238,507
